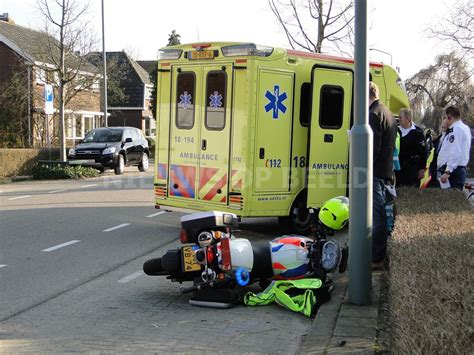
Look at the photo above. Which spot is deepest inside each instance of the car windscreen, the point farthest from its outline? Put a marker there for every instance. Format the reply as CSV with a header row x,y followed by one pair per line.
x,y
112,135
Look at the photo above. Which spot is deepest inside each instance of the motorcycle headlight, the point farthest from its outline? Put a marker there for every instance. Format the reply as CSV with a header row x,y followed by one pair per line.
x,y
331,255
72,152
109,150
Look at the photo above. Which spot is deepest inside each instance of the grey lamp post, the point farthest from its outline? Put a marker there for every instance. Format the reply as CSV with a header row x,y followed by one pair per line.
x,y
360,168
104,73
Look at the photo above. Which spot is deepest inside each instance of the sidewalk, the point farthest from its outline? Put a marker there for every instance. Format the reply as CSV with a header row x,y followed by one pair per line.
x,y
342,328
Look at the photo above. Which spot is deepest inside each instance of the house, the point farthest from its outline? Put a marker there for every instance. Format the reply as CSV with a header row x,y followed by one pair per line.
x,y
151,67
25,51
129,91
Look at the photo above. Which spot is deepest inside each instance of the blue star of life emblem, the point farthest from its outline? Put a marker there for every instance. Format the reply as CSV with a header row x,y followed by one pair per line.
x,y
216,100
276,101
185,100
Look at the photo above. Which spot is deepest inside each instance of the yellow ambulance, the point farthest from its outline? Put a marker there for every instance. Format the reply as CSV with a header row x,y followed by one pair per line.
x,y
255,130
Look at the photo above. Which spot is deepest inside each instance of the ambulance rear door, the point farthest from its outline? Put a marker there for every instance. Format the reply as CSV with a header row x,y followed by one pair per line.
x,y
328,142
200,132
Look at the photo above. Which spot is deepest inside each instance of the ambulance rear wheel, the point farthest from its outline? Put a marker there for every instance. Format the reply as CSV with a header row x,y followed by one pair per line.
x,y
299,220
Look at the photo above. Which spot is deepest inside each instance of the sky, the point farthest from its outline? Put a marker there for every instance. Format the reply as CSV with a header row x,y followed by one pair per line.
x,y
141,27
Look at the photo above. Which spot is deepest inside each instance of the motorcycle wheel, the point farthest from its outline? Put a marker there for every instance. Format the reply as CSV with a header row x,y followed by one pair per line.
x,y
153,267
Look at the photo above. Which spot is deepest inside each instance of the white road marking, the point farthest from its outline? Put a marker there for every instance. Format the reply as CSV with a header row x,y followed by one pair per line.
x,y
116,227
17,198
89,185
131,277
61,245
113,181
2,266
55,191
156,214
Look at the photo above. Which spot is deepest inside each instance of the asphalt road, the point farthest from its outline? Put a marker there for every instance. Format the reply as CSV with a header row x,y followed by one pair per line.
x,y
71,254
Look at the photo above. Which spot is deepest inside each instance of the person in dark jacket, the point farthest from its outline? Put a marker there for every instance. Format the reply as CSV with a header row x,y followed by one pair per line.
x,y
436,145
384,134
413,152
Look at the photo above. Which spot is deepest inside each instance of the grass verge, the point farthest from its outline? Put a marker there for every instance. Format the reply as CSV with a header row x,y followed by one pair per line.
x,y
431,269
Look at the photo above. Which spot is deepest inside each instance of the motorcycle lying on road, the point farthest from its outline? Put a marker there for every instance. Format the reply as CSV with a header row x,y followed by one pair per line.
x,y
220,265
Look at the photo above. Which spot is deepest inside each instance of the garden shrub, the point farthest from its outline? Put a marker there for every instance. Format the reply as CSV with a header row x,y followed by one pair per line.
x,y
49,172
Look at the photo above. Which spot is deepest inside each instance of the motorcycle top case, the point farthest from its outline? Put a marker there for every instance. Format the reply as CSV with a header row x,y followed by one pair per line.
x,y
207,220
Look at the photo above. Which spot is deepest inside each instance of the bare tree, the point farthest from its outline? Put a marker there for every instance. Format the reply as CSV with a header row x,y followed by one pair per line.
x,y
14,110
447,82
317,25
457,26
69,38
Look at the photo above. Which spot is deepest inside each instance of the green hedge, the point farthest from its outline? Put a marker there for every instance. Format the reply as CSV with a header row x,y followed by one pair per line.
x,y
45,172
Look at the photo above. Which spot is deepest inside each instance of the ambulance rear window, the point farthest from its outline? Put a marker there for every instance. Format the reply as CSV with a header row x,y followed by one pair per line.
x,y
185,97
216,84
331,107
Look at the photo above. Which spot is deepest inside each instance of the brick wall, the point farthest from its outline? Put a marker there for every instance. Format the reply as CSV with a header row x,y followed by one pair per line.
x,y
8,61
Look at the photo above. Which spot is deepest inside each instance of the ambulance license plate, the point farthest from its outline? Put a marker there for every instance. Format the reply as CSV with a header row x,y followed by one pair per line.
x,y
201,55
189,259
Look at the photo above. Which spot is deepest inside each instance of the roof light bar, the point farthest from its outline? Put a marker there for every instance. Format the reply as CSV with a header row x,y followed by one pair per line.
x,y
167,54
248,49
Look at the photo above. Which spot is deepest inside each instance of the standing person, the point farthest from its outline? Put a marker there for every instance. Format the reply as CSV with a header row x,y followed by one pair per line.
x,y
385,131
453,154
431,180
413,152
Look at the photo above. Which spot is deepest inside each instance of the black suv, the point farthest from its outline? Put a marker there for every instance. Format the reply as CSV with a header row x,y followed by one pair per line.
x,y
112,147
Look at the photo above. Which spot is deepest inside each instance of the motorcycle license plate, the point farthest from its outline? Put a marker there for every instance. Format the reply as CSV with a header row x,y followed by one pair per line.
x,y
189,259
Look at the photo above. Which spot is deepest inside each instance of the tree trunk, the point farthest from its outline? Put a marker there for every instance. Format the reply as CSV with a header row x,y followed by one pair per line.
x,y
319,42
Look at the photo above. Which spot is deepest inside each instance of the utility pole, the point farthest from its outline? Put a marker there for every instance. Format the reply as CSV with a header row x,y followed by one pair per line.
x,y
104,73
360,168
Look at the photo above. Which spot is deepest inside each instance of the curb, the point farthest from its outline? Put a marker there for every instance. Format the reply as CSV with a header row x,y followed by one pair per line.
x,y
342,328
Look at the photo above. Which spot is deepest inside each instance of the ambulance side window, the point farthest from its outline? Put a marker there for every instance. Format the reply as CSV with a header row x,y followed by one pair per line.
x,y
305,104
185,97
216,83
331,107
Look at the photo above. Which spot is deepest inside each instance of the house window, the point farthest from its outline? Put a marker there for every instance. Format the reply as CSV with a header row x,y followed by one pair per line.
x,y
79,129
185,97
148,92
70,126
216,99
150,127
331,107
96,85
97,121
88,123
40,76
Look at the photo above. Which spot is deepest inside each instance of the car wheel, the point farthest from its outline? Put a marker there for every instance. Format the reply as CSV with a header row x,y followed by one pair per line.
x,y
143,166
299,220
120,166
